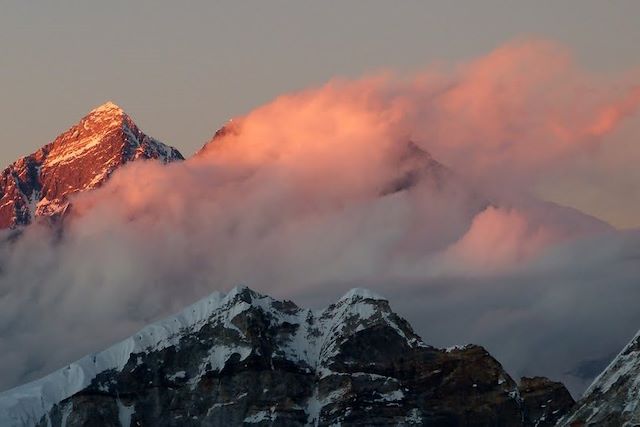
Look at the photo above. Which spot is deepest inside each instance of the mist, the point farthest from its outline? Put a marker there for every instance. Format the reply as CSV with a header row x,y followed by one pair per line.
x,y
419,187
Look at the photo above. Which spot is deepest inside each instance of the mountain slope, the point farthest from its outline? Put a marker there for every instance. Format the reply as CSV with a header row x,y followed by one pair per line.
x,y
612,399
80,159
245,358
410,162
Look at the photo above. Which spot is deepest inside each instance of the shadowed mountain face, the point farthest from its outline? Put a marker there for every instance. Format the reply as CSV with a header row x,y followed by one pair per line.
x,y
245,358
80,159
612,399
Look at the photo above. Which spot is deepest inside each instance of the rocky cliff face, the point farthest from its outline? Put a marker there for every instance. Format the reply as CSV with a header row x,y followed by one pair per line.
x,y
80,159
612,399
544,401
247,359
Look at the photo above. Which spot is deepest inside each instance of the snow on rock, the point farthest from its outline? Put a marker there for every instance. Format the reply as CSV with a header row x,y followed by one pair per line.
x,y
360,293
392,396
258,417
25,404
246,358
612,399
124,414
80,159
312,343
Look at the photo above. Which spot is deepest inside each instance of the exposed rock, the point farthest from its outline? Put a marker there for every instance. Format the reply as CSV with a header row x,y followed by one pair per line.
x,y
612,399
248,359
414,164
544,401
80,159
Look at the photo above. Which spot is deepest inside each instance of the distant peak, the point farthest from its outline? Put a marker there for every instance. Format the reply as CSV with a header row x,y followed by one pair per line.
x,y
107,107
360,294
243,293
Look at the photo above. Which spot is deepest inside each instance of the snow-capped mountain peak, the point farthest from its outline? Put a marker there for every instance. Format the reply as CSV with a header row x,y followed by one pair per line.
x,y
80,159
108,107
246,358
311,344
614,396
361,294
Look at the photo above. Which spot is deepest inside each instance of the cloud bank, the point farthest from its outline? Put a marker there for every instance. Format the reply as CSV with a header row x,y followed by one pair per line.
x,y
419,187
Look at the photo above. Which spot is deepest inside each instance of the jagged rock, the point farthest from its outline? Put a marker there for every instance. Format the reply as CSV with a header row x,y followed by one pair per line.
x,y
612,399
80,159
247,359
544,401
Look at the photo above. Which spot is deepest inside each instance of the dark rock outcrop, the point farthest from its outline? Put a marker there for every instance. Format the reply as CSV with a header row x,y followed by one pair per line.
x,y
247,359
544,401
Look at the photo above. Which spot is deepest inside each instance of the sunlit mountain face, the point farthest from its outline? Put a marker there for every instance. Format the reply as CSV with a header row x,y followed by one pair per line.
x,y
420,188
80,159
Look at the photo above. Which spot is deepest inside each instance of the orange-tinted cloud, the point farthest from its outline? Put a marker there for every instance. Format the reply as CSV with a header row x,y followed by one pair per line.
x,y
522,110
320,190
500,238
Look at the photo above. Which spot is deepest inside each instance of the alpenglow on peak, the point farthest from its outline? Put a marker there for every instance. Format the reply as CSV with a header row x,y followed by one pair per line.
x,y
80,159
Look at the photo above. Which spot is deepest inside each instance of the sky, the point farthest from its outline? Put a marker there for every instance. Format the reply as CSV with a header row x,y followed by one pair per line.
x,y
517,100
182,72
320,191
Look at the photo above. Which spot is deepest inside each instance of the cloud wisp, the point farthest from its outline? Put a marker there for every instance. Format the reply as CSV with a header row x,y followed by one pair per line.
x,y
336,187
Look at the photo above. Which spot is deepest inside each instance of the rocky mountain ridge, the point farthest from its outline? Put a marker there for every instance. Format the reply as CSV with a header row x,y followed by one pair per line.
x,y
82,158
248,359
612,399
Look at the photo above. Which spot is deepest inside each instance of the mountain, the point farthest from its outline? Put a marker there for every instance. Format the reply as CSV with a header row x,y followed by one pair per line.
x,y
613,398
80,159
245,358
411,163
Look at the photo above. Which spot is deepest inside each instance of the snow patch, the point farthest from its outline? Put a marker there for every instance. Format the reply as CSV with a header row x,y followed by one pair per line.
x,y
258,417
360,293
177,375
392,396
125,413
314,341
